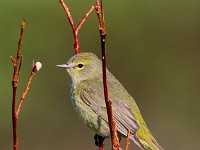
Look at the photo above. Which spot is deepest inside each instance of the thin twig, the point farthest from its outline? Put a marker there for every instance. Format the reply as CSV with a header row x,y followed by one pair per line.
x,y
20,38
20,65
69,16
85,18
102,29
17,66
25,92
71,21
99,11
16,63
127,140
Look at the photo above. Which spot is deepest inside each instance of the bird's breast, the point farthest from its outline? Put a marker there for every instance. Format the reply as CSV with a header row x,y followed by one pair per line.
x,y
88,116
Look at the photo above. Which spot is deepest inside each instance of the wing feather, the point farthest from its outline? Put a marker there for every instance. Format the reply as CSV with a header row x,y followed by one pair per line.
x,y
92,94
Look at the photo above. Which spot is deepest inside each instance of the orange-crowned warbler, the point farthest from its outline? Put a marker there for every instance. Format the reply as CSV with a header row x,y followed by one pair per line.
x,y
87,96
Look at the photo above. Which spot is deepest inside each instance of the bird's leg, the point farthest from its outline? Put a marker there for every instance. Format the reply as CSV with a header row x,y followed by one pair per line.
x,y
99,141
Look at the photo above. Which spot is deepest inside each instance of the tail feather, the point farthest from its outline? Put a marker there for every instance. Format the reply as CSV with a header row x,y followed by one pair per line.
x,y
135,139
144,139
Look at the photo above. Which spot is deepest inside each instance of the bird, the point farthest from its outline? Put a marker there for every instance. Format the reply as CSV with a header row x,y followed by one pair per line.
x,y
87,97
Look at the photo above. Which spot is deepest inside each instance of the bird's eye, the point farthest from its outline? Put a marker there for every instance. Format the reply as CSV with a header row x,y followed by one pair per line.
x,y
80,65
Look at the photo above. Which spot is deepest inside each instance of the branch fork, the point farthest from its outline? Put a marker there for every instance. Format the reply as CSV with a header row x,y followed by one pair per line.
x,y
99,11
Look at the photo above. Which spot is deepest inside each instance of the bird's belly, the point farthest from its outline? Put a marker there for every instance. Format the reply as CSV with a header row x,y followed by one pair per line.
x,y
89,117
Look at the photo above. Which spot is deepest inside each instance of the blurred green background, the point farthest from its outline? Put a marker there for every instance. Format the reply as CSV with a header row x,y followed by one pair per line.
x,y
153,48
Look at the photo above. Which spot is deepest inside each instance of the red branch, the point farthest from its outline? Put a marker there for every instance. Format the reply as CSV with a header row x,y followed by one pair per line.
x,y
127,140
17,66
99,11
71,21
27,88
101,148
102,29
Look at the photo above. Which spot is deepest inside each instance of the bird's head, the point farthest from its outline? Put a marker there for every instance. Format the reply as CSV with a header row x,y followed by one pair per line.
x,y
83,66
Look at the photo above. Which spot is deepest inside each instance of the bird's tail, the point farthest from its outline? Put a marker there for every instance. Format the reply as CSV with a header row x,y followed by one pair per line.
x,y
144,139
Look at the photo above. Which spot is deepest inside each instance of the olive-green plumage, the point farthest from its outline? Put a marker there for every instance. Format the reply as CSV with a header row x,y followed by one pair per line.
x,y
86,85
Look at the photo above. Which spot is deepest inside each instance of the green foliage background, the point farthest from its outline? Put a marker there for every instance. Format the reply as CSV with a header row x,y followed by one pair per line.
x,y
153,49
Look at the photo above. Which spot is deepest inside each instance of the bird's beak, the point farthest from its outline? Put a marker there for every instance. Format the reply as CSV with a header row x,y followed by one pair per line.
x,y
67,65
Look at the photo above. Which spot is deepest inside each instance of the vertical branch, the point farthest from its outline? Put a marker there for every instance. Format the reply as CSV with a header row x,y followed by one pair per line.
x,y
127,140
16,67
102,29
69,16
16,63
20,38
99,11
71,21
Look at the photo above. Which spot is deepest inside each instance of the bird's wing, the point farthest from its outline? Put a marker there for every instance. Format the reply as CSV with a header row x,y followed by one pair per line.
x,y
92,94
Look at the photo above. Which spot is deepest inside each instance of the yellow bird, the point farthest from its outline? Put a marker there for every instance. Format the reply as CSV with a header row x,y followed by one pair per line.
x,y
87,96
